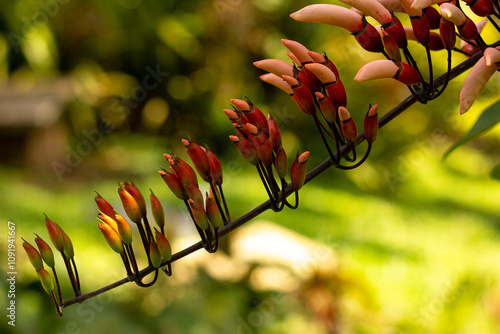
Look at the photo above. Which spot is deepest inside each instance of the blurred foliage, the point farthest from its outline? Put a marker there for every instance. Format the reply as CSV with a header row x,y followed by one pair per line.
x,y
416,240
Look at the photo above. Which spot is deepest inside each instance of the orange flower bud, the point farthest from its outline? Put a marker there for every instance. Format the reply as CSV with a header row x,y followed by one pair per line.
x,y
213,213
327,107
68,245
154,254
274,133
45,251
252,113
193,191
261,144
108,220
246,149
124,229
54,234
174,184
103,205
281,162
347,124
215,167
370,125
182,170
157,209
199,214
129,204
45,280
33,255
298,170
112,237
302,95
163,246
199,158
137,195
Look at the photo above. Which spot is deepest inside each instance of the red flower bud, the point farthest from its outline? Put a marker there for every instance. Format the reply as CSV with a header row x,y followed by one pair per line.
x,y
369,38
68,245
157,209
129,204
246,149
135,192
391,47
334,87
421,29
407,74
298,170
281,162
112,237
447,31
199,214
347,124
274,133
370,125
199,158
54,234
319,58
163,246
433,17
468,30
302,95
45,251
45,280
435,42
182,170
252,113
481,7
215,167
154,254
124,229
327,107
103,205
261,144
174,184
193,191
213,213
108,220
395,30
33,255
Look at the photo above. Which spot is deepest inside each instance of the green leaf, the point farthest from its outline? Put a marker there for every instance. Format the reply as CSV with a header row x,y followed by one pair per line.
x,y
489,118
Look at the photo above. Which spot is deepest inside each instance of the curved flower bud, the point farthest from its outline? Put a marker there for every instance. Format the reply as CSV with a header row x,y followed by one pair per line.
x,y
261,144
246,149
481,7
252,113
108,220
327,107
215,167
129,204
213,213
199,158
421,4
330,14
275,66
302,95
323,59
154,253
163,246
370,125
68,245
103,205
395,29
45,280
347,124
299,50
475,82
274,80
433,16
492,56
294,59
124,229
465,26
157,209
182,170
274,133
112,237
334,87
391,47
193,191
174,184
33,255
199,214
137,195
448,36
298,170
379,69
45,251
371,8
281,162
54,234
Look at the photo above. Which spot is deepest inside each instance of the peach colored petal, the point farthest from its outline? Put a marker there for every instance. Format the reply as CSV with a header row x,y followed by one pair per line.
x,y
330,14
377,69
299,50
275,80
474,83
324,73
276,66
371,8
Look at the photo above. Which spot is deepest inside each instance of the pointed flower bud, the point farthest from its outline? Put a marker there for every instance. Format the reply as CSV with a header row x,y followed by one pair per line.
x,y
193,191
299,50
137,195
371,8
261,144
323,59
275,66
391,47
466,28
174,184
482,8
246,149
124,229
368,37
182,170
103,205
45,280
33,255
252,113
347,124
298,170
447,31
45,251
163,246
129,204
112,237
199,214
433,17
334,87
302,95
108,220
281,162
277,81
213,213
379,69
54,234
274,133
395,30
330,14
215,167
327,107
157,209
68,245
199,158
154,254
370,125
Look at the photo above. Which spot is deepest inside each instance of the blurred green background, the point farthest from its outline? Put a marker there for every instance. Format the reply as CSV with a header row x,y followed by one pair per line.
x,y
94,92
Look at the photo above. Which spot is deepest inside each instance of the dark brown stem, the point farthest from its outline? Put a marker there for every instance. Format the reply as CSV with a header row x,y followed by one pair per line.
x,y
61,301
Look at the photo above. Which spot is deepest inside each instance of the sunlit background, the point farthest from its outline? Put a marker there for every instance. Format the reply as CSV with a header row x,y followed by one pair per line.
x,y
94,92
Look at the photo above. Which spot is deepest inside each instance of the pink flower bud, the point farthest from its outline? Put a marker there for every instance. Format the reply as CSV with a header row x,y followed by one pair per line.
x,y
252,113
395,30
302,95
447,31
